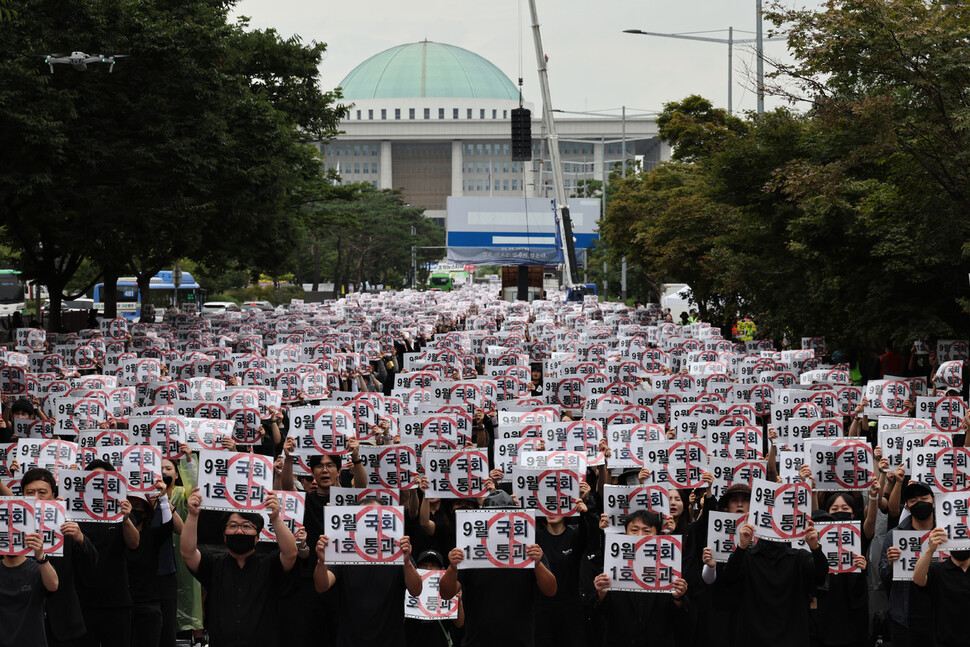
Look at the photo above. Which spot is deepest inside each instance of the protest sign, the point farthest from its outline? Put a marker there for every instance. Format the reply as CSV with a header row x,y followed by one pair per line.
x,y
722,533
429,605
93,496
292,508
17,520
456,474
952,512
321,430
842,464
353,496
945,469
619,500
393,467
550,492
50,515
234,481
780,511
911,544
364,534
495,538
648,564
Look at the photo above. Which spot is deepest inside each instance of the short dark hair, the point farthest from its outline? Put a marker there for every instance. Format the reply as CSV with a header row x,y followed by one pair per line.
x,y
23,406
39,474
652,519
98,464
255,518
316,460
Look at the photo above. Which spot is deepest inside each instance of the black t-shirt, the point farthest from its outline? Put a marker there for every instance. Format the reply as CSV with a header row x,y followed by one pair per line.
x,y
369,604
106,586
498,605
22,605
143,581
632,618
566,552
949,587
240,603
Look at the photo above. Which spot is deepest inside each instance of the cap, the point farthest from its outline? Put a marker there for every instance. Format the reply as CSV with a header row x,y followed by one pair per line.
x,y
498,499
432,555
733,490
915,489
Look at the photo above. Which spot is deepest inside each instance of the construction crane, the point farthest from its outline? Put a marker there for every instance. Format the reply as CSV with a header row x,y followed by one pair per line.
x,y
575,291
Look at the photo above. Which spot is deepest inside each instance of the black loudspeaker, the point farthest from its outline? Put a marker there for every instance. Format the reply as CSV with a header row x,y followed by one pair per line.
x,y
521,135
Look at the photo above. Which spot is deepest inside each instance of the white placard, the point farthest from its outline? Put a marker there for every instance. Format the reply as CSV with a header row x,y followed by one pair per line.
x,y
234,481
647,564
495,538
364,534
780,511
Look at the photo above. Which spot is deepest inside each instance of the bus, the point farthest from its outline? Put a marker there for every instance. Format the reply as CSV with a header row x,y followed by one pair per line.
x,y
12,292
440,281
162,295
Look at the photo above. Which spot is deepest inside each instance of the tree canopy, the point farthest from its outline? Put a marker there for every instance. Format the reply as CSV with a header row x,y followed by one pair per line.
x,y
848,220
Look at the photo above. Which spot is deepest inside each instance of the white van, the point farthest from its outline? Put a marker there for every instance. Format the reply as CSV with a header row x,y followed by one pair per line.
x,y
218,307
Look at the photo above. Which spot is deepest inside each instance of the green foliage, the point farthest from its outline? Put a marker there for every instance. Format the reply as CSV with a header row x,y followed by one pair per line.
x,y
196,146
694,127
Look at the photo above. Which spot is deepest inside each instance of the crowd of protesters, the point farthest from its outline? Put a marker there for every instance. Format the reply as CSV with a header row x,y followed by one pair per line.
x,y
171,570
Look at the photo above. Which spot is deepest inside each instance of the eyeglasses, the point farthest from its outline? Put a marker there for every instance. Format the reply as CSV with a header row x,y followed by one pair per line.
x,y
245,526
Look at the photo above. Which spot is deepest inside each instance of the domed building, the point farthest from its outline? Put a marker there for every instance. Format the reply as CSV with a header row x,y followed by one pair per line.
x,y
434,119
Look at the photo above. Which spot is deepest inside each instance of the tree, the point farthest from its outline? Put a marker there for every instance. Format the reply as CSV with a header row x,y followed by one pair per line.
x,y
196,146
694,127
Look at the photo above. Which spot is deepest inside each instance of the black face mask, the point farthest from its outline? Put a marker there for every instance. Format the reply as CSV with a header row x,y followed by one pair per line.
x,y
135,518
842,516
921,510
960,555
167,479
240,544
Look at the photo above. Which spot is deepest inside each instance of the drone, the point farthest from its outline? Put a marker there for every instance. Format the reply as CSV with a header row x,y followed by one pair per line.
x,y
79,60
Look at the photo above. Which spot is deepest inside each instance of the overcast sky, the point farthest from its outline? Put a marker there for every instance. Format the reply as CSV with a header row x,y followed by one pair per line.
x,y
593,66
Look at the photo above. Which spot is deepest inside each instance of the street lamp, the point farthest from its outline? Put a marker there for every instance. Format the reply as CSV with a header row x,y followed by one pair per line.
x,y
730,42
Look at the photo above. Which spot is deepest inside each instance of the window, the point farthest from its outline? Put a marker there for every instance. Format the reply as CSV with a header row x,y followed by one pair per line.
x,y
370,115
488,149
454,113
583,148
479,184
366,169
478,167
469,113
505,185
505,114
441,113
478,148
397,113
356,150
494,114
515,185
471,167
410,113
427,113
336,151
374,184
373,168
358,115
505,167
373,150
469,149
488,186
515,167
383,114
505,149
356,167
481,114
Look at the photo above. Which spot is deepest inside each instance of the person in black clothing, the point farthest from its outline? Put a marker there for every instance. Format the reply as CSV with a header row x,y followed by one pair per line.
x,y
155,524
560,619
632,618
948,585
775,582
369,599
486,591
243,585
64,622
23,583
104,595
434,633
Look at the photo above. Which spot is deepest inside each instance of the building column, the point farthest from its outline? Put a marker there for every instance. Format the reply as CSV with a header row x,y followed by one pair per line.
x,y
386,182
457,168
599,154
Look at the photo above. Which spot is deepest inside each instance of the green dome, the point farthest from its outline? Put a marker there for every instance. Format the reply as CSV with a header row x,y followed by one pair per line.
x,y
427,69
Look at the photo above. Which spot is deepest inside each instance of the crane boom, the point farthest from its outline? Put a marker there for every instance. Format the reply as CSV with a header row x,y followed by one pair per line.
x,y
563,221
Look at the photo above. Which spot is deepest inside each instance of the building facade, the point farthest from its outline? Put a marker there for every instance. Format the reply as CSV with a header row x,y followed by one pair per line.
x,y
435,120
